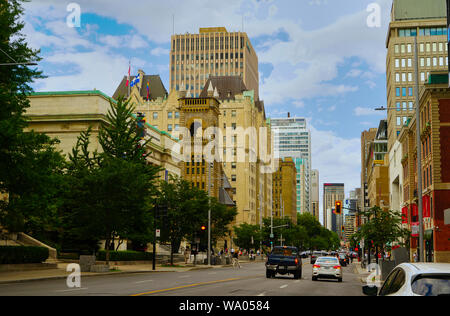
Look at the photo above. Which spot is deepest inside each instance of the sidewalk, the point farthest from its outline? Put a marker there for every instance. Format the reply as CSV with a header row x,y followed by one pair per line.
x,y
363,273
61,273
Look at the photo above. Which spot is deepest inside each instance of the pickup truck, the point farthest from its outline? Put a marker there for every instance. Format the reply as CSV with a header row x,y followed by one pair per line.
x,y
284,260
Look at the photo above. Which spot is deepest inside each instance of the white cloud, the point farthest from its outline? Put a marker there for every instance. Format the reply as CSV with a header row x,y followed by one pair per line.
x,y
160,51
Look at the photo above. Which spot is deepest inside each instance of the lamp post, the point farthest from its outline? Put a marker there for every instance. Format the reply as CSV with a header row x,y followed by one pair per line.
x,y
420,246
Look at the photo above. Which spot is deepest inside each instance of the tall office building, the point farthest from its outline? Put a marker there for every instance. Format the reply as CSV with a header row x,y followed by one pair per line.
x,y
293,139
427,21
212,52
332,192
315,211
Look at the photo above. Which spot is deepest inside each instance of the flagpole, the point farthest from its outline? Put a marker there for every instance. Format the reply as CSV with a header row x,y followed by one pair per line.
x,y
129,83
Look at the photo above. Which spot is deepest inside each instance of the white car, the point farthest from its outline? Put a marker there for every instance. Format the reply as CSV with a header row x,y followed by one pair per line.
x,y
327,268
415,279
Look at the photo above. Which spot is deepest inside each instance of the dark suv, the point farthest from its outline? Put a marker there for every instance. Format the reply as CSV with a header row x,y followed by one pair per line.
x,y
284,260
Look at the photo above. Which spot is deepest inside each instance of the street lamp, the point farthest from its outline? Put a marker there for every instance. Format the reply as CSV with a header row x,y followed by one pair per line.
x,y
419,154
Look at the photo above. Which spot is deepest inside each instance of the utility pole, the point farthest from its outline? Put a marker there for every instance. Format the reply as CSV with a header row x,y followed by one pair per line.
x,y
209,214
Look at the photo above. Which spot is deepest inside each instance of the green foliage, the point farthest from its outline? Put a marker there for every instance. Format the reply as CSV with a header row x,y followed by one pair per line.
x,y
187,210
110,194
383,227
244,235
125,256
22,255
30,167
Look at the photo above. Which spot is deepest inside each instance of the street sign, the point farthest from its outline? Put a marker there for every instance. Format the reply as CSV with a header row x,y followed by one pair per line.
x,y
158,233
272,236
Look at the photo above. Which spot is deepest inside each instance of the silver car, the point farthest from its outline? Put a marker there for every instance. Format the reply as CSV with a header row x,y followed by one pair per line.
x,y
415,279
327,268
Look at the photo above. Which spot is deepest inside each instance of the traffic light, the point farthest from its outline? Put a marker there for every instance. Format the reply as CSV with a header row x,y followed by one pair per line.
x,y
338,207
203,228
343,229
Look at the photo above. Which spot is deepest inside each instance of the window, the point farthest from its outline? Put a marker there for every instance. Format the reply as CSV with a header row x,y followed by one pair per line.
x,y
404,92
233,178
397,92
169,115
177,115
410,92
397,77
385,290
399,122
233,113
431,285
397,63
155,115
169,127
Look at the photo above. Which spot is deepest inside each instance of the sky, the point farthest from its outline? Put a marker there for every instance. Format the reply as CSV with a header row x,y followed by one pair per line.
x,y
320,59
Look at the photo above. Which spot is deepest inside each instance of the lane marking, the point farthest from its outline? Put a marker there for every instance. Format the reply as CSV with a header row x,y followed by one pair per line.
x,y
262,294
71,290
185,276
186,286
283,286
145,281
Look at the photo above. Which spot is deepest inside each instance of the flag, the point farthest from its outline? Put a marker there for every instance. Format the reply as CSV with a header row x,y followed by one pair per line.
x,y
135,81
148,90
129,71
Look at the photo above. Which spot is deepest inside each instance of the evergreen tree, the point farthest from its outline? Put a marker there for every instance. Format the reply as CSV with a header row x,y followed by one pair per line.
x,y
30,168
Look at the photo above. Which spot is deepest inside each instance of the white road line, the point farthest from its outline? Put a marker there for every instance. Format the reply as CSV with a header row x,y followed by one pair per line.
x,y
283,286
185,276
297,281
145,281
71,290
262,294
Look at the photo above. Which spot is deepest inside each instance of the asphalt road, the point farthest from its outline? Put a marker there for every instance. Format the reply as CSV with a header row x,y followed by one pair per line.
x,y
250,280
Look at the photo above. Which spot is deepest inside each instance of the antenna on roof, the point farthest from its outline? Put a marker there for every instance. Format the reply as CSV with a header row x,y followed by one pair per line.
x,y
173,24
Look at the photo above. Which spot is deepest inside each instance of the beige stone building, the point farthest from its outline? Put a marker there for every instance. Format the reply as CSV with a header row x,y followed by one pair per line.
x,y
239,111
426,21
284,190
376,165
315,207
212,52
64,115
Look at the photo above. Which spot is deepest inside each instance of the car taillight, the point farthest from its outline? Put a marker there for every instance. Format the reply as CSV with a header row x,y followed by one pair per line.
x,y
337,267
296,261
316,266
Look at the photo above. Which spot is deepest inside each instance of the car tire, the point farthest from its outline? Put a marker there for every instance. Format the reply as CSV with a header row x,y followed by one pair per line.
x,y
314,278
269,274
340,280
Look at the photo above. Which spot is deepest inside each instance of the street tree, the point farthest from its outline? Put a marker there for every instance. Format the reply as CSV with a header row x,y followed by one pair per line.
x,y
30,166
114,189
247,236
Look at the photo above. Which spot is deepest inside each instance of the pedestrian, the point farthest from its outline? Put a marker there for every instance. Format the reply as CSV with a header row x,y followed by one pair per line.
x,y
236,260
187,255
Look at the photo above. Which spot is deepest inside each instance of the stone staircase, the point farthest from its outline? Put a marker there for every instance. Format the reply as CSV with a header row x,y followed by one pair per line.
x,y
21,239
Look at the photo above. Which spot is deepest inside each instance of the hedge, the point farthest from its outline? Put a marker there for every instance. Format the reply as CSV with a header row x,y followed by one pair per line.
x,y
125,256
22,254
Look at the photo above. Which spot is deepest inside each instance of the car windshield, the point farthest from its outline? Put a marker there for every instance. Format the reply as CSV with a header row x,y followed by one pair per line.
x,y
288,252
432,285
327,260
341,255
317,253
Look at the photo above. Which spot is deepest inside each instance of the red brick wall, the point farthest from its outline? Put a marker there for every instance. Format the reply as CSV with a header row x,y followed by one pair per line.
x,y
441,202
444,110
445,153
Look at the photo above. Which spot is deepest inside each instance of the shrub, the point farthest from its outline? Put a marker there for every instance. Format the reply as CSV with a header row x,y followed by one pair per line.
x,y
22,254
125,256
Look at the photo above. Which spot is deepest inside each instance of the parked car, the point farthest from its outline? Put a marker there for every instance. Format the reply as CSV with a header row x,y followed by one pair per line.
x,y
327,267
415,279
284,260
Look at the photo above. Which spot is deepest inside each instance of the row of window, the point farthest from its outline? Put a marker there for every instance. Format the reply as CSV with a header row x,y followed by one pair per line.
x,y
201,66
170,115
212,56
207,43
404,91
423,31
423,48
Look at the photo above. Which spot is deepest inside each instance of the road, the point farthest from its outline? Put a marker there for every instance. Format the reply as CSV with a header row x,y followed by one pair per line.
x,y
250,280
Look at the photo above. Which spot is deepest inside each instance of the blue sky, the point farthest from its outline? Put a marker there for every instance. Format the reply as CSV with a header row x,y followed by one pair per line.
x,y
318,58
